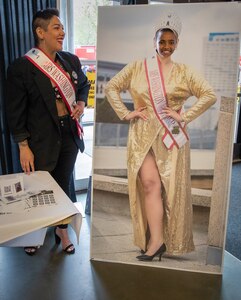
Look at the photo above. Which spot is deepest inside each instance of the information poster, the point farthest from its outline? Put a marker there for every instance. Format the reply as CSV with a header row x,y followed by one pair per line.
x,y
91,97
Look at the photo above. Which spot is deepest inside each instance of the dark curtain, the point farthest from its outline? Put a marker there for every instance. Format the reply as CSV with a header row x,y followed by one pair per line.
x,y
15,40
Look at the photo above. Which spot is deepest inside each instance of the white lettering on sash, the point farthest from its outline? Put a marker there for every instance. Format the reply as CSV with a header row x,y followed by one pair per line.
x,y
57,75
175,133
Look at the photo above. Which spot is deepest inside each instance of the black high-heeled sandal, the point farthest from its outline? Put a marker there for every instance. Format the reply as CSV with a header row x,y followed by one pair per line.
x,y
159,252
31,250
69,251
66,249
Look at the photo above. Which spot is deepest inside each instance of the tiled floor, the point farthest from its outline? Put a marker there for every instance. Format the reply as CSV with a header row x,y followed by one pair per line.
x,y
112,240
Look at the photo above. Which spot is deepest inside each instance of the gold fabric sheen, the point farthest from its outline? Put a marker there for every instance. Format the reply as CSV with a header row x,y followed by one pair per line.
x,y
145,136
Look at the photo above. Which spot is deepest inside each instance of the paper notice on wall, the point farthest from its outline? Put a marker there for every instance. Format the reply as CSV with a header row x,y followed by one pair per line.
x,y
221,62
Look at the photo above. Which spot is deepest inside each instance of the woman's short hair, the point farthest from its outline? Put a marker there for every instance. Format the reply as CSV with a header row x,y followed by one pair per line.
x,y
42,19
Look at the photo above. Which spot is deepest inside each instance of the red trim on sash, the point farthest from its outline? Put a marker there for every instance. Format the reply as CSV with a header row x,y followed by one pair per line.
x,y
79,128
153,105
167,131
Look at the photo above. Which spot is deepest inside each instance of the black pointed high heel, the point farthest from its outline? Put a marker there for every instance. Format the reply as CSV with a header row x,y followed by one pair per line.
x,y
159,253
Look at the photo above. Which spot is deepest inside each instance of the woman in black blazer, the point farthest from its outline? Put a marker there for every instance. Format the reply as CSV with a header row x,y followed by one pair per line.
x,y
41,118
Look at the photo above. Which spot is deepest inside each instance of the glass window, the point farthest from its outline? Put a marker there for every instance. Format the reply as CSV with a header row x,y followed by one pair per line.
x,y
84,22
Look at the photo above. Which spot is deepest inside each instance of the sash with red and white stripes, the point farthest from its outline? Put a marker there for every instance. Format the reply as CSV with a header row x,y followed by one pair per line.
x,y
174,131
54,72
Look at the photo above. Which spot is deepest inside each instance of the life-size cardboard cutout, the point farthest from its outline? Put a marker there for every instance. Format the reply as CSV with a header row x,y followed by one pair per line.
x,y
201,86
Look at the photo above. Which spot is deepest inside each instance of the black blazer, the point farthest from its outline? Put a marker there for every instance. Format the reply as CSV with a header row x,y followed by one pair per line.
x,y
31,107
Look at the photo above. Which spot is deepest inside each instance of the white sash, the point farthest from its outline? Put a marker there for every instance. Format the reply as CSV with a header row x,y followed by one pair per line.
x,y
175,133
58,76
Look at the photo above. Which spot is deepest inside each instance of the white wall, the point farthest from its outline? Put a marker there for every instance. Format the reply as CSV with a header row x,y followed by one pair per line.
x,y
125,33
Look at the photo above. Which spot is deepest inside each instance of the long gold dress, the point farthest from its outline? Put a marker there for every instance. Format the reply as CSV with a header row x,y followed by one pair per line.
x,y
173,165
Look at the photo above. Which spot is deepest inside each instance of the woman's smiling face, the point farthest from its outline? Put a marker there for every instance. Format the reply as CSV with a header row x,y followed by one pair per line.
x,y
52,38
165,42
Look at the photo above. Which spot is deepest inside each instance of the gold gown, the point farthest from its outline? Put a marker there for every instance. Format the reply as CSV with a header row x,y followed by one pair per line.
x,y
173,165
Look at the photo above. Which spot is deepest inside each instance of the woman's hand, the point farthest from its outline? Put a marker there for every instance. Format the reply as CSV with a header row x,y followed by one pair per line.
x,y
78,110
26,157
138,113
172,113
